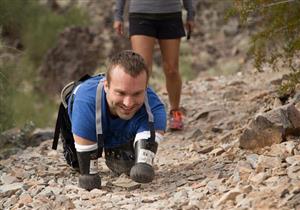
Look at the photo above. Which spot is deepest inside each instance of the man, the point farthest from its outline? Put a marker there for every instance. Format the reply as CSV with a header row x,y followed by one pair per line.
x,y
125,117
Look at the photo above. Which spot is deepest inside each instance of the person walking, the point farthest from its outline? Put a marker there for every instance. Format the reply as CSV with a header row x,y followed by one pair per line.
x,y
161,21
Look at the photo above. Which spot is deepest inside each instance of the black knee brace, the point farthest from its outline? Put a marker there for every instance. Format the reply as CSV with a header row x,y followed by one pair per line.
x,y
145,151
120,159
88,165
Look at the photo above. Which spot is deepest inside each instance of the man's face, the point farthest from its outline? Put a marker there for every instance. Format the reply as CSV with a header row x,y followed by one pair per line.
x,y
125,94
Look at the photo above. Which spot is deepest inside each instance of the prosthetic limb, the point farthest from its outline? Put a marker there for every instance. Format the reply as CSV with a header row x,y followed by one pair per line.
x,y
145,151
88,165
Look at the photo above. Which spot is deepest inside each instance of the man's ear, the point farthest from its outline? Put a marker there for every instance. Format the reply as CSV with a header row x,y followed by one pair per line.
x,y
106,86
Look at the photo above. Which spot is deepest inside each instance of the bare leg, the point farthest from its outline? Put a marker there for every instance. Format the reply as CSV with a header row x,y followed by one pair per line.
x,y
170,57
144,46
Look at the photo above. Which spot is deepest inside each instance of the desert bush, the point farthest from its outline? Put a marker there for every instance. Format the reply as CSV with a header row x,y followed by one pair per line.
x,y
277,28
6,95
35,27
276,40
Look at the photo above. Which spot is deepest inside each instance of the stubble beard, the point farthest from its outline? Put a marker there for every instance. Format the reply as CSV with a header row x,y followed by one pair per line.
x,y
119,112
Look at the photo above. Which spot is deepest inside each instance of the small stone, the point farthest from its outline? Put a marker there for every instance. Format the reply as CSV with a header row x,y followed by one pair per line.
x,y
98,192
149,200
11,188
195,134
273,181
85,196
289,146
217,151
193,147
242,171
64,202
196,177
180,195
247,189
126,183
279,171
252,159
258,178
265,162
293,160
293,172
191,207
107,206
214,185
231,195
53,153
8,179
180,183
25,199
206,149
128,206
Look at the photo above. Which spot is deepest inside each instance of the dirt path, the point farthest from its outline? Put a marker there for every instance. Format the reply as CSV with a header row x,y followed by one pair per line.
x,y
200,168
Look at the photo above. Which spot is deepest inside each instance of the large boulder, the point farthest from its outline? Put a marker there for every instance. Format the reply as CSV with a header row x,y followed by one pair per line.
x,y
271,127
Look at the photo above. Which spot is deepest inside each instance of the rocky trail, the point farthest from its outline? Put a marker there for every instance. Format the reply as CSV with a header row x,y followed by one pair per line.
x,y
226,158
202,167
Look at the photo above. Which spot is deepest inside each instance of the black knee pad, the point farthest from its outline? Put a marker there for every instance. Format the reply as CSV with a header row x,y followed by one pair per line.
x,y
120,159
145,151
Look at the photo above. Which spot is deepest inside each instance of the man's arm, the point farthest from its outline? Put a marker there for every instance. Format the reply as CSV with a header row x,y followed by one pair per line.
x,y
82,141
87,154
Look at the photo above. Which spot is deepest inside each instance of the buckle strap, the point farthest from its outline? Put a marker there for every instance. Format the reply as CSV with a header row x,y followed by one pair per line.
x,y
58,126
150,118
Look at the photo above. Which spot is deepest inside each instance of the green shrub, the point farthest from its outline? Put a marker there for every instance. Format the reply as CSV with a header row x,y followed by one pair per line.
x,y
287,88
36,25
12,16
277,27
276,39
7,90
19,103
37,28
42,29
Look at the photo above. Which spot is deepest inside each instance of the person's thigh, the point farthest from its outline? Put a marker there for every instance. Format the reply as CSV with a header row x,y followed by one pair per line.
x,y
143,32
144,46
170,54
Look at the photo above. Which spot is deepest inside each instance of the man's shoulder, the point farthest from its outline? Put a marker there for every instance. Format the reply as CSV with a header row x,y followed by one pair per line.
x,y
150,91
152,96
87,89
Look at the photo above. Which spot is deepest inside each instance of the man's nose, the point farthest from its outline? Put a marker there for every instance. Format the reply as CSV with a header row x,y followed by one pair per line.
x,y
128,101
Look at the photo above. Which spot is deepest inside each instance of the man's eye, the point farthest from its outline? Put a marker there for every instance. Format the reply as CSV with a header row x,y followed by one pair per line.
x,y
120,94
137,94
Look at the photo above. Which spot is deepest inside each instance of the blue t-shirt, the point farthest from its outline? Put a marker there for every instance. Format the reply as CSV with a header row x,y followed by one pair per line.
x,y
116,131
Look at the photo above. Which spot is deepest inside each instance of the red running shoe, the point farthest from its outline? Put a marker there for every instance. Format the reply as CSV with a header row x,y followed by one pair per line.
x,y
176,120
